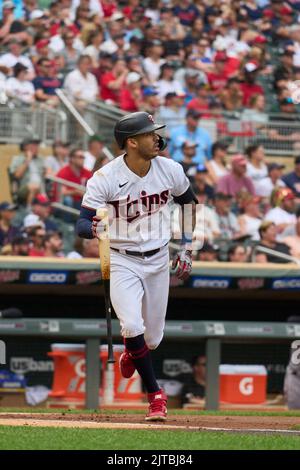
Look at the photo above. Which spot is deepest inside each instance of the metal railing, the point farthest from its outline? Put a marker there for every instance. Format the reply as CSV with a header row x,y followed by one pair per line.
x,y
19,122
277,254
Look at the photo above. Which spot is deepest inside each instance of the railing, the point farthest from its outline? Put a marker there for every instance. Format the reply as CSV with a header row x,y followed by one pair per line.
x,y
59,182
20,122
277,254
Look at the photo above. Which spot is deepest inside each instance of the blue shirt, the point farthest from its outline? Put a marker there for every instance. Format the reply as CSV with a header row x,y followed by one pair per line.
x,y
180,134
292,181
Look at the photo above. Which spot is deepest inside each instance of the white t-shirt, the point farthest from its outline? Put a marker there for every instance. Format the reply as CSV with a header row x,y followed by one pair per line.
x,y
256,174
252,225
280,216
23,90
80,87
89,160
265,186
9,60
164,87
152,68
139,207
217,169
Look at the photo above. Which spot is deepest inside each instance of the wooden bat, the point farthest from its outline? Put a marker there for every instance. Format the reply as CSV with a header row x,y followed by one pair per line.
x,y
104,253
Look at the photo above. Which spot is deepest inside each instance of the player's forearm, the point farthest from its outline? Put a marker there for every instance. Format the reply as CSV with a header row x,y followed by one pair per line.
x,y
84,223
188,224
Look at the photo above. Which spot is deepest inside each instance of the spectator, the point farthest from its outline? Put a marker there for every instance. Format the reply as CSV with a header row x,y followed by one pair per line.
x,y
131,97
248,86
41,207
7,230
90,248
200,102
10,28
37,242
153,61
285,130
173,111
218,78
217,165
231,95
284,71
166,83
193,391
208,253
293,241
256,166
283,212
256,111
200,182
189,152
191,131
186,12
292,180
227,220
75,173
93,153
46,83
19,87
151,101
237,253
112,81
20,245
236,181
268,233
95,39
14,56
69,54
53,245
80,84
266,186
28,170
59,159
251,218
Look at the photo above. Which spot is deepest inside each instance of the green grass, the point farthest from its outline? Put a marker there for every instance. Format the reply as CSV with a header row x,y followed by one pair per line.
x,y
171,412
26,438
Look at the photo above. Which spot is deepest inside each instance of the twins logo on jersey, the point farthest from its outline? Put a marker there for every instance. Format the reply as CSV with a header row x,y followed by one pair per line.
x,y
147,204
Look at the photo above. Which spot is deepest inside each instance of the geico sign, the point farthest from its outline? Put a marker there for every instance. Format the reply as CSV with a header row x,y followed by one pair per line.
x,y
287,284
53,278
211,283
246,386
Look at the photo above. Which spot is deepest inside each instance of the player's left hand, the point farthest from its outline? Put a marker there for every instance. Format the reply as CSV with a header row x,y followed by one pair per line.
x,y
182,263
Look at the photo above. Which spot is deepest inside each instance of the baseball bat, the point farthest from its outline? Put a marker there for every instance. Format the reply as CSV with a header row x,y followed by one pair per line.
x,y
104,253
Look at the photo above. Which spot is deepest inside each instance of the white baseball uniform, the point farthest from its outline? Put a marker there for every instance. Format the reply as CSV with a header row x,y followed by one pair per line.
x,y
140,221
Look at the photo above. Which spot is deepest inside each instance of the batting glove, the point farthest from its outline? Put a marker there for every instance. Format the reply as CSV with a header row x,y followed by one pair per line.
x,y
182,263
98,227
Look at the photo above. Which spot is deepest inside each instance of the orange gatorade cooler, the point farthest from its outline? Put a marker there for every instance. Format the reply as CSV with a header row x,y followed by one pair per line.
x,y
243,384
69,375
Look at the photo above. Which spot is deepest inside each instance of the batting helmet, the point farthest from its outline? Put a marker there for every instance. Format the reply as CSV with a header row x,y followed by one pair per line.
x,y
135,124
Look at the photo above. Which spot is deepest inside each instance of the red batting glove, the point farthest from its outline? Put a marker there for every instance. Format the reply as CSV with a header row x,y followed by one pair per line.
x,y
182,264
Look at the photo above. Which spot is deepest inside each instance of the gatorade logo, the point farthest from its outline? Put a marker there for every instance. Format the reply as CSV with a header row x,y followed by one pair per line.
x,y
80,368
246,386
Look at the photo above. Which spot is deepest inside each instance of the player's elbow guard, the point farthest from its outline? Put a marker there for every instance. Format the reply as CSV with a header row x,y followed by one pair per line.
x,y
84,223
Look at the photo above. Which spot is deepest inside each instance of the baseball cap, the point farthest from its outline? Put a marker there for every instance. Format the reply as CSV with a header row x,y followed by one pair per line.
x,y
8,206
41,199
208,248
251,66
133,77
239,160
150,91
42,43
33,220
189,143
201,168
193,113
276,166
8,5
220,56
116,16
96,138
286,101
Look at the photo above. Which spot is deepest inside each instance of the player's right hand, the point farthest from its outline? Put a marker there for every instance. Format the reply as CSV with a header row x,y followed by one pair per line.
x,y
98,227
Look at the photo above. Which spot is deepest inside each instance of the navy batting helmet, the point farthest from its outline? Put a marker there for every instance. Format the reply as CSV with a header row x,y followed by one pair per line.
x,y
135,124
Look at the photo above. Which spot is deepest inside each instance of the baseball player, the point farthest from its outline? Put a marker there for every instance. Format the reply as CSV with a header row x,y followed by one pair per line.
x,y
137,187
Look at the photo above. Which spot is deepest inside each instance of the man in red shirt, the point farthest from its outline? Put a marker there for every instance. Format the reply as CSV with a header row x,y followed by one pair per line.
x,y
112,81
131,97
75,173
218,79
248,86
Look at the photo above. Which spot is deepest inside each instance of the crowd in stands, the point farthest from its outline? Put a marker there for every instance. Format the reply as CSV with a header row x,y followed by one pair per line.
x,y
182,61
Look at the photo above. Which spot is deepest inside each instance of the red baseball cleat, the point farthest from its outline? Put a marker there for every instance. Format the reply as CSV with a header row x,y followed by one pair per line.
x,y
157,406
126,364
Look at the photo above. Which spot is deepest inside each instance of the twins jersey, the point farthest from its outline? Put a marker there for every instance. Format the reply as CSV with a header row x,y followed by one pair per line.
x,y
139,208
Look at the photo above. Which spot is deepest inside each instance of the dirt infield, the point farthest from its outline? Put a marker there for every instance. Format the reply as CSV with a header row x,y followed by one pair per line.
x,y
276,424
